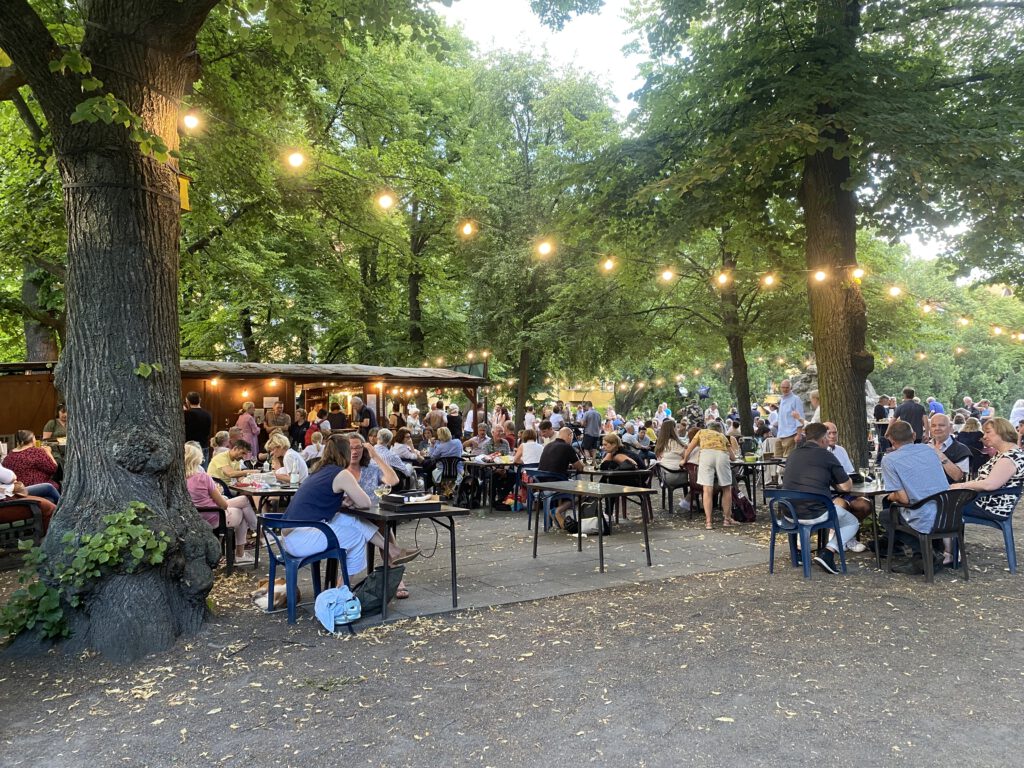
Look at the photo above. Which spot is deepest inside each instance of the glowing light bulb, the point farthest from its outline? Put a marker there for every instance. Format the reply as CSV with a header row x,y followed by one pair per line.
x,y
889,360
245,393
545,248
858,273
820,275
295,159
958,351
921,355
997,330
467,229
963,321
768,280
609,264
385,201
723,278
191,121
667,275
895,291
926,308
780,360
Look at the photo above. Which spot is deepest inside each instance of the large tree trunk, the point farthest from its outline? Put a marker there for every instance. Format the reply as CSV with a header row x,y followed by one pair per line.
x,y
838,312
523,385
125,431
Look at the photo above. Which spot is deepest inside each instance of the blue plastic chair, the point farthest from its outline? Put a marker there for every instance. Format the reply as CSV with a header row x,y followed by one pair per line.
x,y
1006,526
534,475
790,524
277,555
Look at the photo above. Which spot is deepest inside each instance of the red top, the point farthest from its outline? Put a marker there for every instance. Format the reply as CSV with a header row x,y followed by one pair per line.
x,y
32,466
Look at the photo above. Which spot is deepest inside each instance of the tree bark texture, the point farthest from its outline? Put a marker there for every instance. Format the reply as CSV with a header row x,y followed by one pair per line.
x,y
125,430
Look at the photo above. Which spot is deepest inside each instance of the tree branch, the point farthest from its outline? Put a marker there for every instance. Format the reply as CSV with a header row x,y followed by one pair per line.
x,y
17,306
11,79
218,230
26,40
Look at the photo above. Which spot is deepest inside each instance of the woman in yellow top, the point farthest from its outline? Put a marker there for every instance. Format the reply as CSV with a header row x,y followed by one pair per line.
x,y
715,454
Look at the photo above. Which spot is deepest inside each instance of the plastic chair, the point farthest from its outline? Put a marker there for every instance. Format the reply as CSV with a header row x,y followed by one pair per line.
x,y
450,475
224,534
534,475
949,522
1006,525
670,481
794,527
272,525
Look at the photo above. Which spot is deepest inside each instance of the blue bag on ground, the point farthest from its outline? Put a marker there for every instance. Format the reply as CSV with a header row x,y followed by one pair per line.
x,y
337,606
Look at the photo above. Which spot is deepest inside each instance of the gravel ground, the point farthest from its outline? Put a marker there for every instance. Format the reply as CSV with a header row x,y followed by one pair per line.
x,y
733,668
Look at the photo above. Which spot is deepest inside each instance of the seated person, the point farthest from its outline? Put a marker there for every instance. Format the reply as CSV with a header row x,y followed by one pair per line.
x,y
315,449
496,443
226,466
953,455
510,435
384,440
859,506
285,461
12,489
1004,471
475,444
220,443
57,428
425,440
912,471
812,468
615,457
529,450
545,432
558,457
327,494
669,449
32,465
238,512
403,447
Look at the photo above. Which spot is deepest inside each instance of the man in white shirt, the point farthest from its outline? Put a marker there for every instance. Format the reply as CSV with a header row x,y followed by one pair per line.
x,y
791,417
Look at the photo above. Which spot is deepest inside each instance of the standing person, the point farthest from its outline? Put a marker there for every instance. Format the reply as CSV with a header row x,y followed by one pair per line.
x,y
396,420
880,415
454,420
816,405
811,468
1017,412
278,419
297,431
715,455
529,418
711,413
557,420
57,427
412,420
914,414
436,418
337,418
198,424
660,415
250,429
791,416
934,406
363,417
591,429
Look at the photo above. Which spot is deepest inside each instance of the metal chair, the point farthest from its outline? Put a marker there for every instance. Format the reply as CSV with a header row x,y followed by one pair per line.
x,y
790,524
224,534
1005,525
949,522
272,525
670,481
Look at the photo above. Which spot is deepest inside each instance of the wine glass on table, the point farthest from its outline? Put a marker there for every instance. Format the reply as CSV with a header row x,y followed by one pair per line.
x,y
381,491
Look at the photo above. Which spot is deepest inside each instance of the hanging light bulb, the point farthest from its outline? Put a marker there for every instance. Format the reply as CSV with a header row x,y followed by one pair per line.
x,y
667,275
385,201
997,331
467,229
296,159
963,321
545,248
191,120
895,291
768,280
609,264
858,273
958,351
820,275
723,278
926,307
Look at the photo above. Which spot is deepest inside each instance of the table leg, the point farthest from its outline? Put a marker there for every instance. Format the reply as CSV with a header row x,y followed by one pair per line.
x,y
874,530
455,585
647,541
384,556
600,536
536,522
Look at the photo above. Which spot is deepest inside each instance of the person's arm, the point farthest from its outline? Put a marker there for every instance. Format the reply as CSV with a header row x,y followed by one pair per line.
x,y
689,448
954,472
7,476
518,457
345,482
997,478
217,496
387,472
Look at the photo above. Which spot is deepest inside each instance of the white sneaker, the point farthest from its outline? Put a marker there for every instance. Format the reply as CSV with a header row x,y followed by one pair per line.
x,y
856,546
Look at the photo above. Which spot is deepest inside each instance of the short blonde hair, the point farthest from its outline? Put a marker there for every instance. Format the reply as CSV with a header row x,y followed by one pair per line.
x,y
278,440
444,434
317,437
1003,429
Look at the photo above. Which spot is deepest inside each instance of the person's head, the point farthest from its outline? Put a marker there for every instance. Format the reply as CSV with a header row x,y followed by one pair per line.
x,y
691,433
193,459
815,397
413,410
498,433
972,425
278,408
940,426
909,393
785,386
428,433
384,437
24,438
715,426
529,436
481,430
1018,405
630,428
337,453
968,402
558,408
611,443
510,428
278,445
900,433
816,433
444,434
62,412
959,418
357,403
357,447
317,438
239,450
529,409
234,433
999,434
300,415
546,430
439,405
248,407
193,398
221,439
321,413
831,434
565,435
453,410
371,435
403,435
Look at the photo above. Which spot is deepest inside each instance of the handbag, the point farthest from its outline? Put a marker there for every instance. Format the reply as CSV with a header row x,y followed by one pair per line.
x,y
371,590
